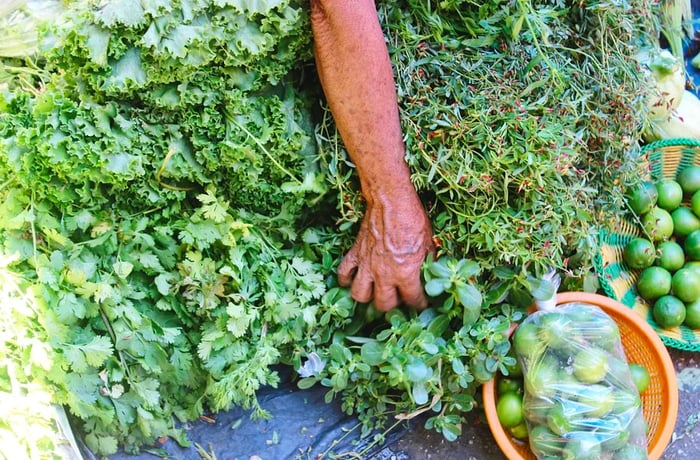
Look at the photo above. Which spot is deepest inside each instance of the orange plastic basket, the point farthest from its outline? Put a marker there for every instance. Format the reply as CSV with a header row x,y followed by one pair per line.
x,y
642,345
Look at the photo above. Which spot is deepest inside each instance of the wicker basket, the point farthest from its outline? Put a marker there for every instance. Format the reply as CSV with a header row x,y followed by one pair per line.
x,y
641,345
666,158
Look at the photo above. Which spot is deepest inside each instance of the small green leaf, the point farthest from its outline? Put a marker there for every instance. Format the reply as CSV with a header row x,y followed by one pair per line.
x,y
306,383
437,286
418,371
469,296
372,353
419,393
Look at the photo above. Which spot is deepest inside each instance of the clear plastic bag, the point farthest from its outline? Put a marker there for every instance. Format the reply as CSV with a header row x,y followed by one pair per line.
x,y
580,399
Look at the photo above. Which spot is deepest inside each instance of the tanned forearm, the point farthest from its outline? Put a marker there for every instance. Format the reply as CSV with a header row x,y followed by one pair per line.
x,y
395,235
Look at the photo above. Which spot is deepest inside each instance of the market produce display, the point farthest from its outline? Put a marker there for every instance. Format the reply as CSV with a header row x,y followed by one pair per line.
x,y
670,273
648,255
175,200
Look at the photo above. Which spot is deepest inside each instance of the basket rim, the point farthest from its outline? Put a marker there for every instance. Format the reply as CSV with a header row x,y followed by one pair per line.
x,y
674,142
665,433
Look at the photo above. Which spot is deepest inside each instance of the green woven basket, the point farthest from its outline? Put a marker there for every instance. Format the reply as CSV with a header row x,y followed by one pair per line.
x,y
666,158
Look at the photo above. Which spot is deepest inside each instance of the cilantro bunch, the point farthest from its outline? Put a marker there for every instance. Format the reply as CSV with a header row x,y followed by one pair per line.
x,y
160,198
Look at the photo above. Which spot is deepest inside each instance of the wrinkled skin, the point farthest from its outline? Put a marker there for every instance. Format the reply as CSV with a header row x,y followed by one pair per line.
x,y
384,264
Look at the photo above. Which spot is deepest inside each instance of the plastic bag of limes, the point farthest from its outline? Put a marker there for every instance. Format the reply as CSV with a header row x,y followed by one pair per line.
x,y
580,400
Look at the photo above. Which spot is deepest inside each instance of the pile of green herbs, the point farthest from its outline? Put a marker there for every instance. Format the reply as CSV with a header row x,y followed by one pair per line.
x,y
176,203
522,122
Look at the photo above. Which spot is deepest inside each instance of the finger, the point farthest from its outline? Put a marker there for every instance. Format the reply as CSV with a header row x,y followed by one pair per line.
x,y
361,289
348,267
413,295
385,297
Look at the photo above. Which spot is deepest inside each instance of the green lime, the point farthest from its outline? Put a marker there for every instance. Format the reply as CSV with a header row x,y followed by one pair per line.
x,y
605,333
541,378
536,409
695,203
584,446
612,433
654,282
631,452
598,399
691,246
689,179
670,194
640,376
670,256
558,420
509,409
590,365
526,340
544,443
668,311
642,197
658,223
519,431
557,330
684,222
506,385
692,315
639,253
685,285
625,402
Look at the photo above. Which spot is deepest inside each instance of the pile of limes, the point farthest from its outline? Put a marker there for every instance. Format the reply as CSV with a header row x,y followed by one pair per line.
x,y
668,257
573,388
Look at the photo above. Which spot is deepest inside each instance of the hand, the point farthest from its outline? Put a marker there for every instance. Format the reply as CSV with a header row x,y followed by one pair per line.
x,y
385,261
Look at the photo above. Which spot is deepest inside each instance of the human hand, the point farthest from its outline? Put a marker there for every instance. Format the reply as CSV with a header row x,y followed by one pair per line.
x,y
385,261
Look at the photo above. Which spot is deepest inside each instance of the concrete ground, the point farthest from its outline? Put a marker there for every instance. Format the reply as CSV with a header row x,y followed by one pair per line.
x,y
477,443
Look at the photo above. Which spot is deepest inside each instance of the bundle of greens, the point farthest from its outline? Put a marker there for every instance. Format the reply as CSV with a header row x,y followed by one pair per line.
x,y
177,211
522,121
158,174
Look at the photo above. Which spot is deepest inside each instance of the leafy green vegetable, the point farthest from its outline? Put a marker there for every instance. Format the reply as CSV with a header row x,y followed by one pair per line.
x,y
176,203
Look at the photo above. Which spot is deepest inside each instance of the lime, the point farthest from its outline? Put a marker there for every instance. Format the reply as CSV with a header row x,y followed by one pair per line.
x,y
509,409
693,265
670,194
536,409
685,284
695,203
640,253
670,256
642,197
625,401
668,311
630,452
526,340
506,385
541,378
689,179
557,330
558,420
692,314
613,433
514,370
640,376
684,222
654,282
604,333
590,365
598,399
519,431
691,246
584,446
544,443
658,223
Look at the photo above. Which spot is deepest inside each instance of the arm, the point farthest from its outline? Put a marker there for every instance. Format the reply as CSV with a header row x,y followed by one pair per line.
x,y
395,235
